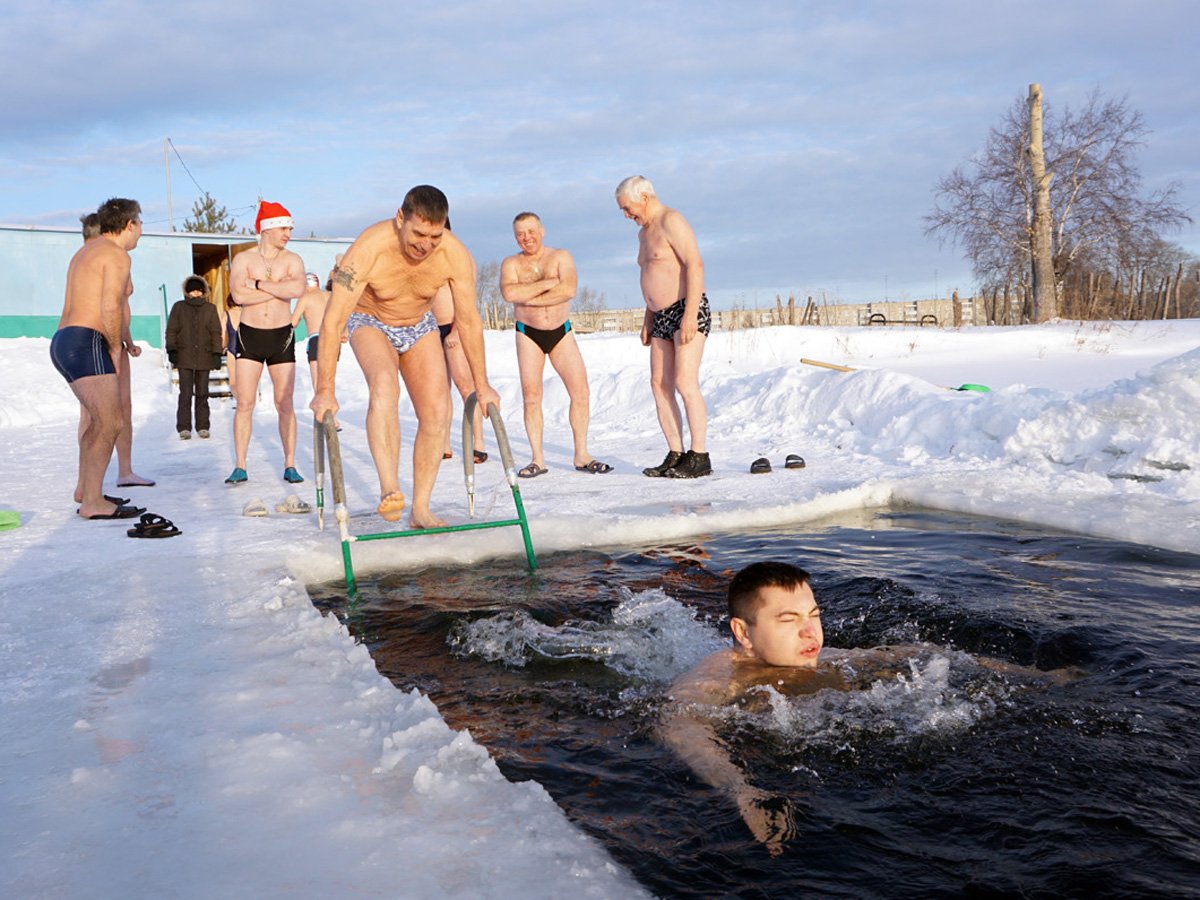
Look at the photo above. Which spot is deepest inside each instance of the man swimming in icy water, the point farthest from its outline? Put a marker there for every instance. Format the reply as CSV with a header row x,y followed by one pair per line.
x,y
778,642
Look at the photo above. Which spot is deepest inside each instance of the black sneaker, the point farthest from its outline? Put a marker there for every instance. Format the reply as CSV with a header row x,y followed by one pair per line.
x,y
672,458
693,465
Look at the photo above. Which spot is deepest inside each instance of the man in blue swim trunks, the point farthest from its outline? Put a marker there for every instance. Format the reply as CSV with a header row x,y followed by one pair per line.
x,y
383,292
540,282
87,348
676,324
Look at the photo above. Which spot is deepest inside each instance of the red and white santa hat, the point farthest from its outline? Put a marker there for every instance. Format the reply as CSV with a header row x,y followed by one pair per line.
x,y
271,215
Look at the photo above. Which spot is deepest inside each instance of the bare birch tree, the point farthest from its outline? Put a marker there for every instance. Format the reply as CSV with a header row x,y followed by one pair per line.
x,y
1098,208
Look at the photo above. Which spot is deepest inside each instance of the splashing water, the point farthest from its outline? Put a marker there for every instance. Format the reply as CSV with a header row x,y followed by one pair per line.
x,y
649,636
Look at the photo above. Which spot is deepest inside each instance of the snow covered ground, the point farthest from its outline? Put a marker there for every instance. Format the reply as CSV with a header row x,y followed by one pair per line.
x,y
177,720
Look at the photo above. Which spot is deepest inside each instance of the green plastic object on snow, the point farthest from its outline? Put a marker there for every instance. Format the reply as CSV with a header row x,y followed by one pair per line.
x,y
9,519
978,388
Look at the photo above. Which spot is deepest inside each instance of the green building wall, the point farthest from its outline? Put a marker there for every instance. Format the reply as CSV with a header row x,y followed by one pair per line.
x,y
33,271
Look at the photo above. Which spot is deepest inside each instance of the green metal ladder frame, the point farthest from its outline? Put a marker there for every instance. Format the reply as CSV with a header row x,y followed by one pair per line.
x,y
325,438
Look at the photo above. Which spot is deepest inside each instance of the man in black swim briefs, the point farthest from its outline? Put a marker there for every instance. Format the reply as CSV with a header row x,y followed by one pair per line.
x,y
540,282
263,282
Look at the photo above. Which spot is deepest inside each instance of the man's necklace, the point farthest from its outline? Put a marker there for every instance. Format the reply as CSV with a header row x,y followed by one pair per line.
x,y
266,263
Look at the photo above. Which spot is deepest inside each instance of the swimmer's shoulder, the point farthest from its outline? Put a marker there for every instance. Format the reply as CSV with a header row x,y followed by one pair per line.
x,y
711,681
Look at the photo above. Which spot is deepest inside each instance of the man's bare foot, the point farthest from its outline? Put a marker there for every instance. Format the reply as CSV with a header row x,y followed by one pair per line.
x,y
391,507
103,508
425,520
134,480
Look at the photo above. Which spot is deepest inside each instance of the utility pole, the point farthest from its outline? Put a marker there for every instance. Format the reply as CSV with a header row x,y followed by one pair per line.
x,y
167,163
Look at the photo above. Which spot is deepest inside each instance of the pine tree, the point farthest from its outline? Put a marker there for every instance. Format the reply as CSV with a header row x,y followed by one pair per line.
x,y
209,217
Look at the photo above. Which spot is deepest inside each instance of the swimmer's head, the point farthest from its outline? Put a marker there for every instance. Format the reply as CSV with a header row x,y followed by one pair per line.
x,y
426,202
91,226
117,214
774,616
311,279
272,215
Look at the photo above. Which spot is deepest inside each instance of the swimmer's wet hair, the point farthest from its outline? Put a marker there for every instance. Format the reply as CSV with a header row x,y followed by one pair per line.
x,y
427,202
744,599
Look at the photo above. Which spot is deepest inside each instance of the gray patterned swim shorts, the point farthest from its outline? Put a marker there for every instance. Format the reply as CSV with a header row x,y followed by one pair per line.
x,y
402,337
666,321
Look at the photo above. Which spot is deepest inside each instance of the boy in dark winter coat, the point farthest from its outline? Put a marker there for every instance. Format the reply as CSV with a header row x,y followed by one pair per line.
x,y
194,347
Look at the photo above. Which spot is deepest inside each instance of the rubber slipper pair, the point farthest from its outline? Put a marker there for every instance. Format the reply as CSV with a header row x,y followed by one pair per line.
x,y
595,467
533,470
153,526
762,465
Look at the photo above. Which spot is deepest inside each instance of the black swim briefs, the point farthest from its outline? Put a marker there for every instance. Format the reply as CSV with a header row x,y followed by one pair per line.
x,y
546,338
273,346
444,330
666,321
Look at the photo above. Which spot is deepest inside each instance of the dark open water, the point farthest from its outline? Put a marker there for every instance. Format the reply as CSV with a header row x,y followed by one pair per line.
x,y
950,781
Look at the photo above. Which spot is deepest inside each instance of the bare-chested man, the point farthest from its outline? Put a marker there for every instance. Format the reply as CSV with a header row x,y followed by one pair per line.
x,y
126,477
539,282
676,325
382,293
263,282
87,348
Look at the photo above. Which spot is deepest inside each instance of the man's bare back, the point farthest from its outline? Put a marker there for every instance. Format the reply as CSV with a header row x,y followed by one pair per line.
x,y
97,295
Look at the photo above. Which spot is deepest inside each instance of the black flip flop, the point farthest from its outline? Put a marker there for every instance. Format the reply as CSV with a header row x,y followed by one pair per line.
x,y
120,501
595,467
760,466
153,526
480,456
121,512
533,470
793,462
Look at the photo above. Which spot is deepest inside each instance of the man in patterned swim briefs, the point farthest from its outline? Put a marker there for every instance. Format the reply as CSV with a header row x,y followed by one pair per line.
x,y
383,291
676,324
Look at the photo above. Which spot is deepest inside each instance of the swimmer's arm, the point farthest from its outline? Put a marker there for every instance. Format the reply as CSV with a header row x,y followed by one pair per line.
x,y
469,325
290,286
522,293
1054,676
568,282
349,281
770,819
298,312
113,302
683,242
244,294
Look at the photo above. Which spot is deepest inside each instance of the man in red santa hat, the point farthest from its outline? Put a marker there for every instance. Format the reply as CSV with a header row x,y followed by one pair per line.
x,y
263,281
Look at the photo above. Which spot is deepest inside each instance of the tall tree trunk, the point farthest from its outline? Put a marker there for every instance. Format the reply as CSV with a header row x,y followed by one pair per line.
x,y
1045,303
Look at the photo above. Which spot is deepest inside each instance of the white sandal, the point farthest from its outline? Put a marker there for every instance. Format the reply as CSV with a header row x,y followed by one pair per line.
x,y
293,504
255,508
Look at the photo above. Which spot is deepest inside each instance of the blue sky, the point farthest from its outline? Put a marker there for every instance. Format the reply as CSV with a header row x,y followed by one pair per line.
x,y
802,140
